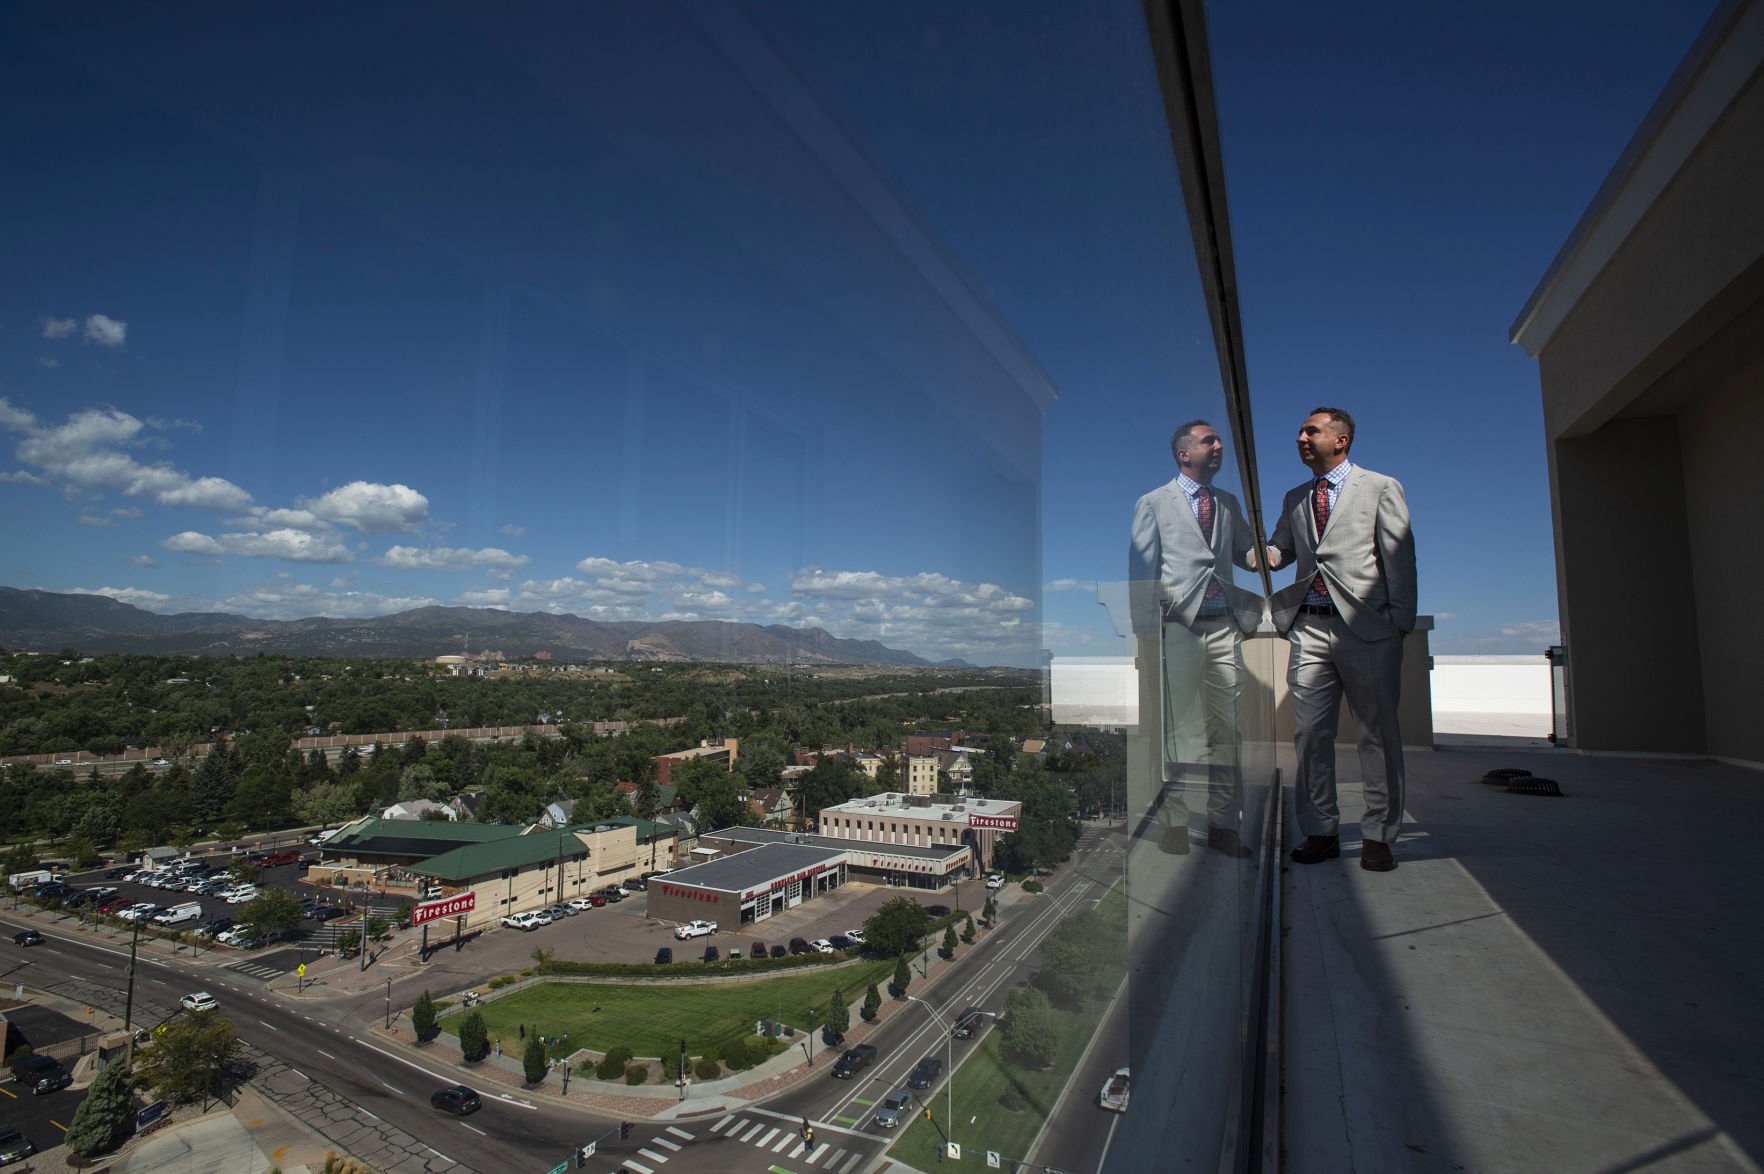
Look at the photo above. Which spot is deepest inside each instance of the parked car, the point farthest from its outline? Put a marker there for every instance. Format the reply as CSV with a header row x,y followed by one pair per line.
x,y
200,1001
821,946
711,954
695,929
734,953
937,910
841,942
28,937
925,1072
209,929
326,912
854,1061
239,895
780,952
14,1146
41,1074
664,956
456,1099
559,912
996,881
895,1105
856,935
581,903
525,921
117,873
275,859
635,885
800,946
613,894
138,912
758,950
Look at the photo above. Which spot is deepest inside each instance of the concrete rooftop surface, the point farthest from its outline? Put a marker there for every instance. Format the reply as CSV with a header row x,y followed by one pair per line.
x,y
1561,984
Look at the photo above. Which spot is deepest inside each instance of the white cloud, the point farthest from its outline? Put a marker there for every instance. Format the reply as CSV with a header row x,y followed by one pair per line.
x,y
86,454
372,507
756,588
494,573
1086,585
130,595
106,331
91,520
292,601
59,327
512,531
445,558
127,511
143,560
48,362
929,613
489,597
294,545
282,519
21,477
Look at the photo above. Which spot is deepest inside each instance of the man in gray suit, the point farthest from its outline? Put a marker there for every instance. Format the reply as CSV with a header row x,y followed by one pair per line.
x,y
1185,536
1347,533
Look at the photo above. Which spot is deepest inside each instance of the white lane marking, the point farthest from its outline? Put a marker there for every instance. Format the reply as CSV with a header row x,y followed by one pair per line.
x,y
786,1140
637,1166
659,1140
718,1127
271,1026
324,1053
748,1136
652,1155
475,1129
766,1140
439,1154
300,1074
683,1135
394,1088
364,1112
438,1076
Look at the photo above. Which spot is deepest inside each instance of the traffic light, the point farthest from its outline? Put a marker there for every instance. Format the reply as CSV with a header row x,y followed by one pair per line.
x,y
624,1130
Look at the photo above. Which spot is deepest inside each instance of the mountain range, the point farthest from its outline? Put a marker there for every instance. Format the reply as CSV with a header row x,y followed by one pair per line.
x,y
46,621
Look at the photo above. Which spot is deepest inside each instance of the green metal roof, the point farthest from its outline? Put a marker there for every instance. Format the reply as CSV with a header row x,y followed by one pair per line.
x,y
414,837
474,861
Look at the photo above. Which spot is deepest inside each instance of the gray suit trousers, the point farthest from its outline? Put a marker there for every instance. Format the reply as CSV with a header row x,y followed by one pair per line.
x,y
1329,662
1203,680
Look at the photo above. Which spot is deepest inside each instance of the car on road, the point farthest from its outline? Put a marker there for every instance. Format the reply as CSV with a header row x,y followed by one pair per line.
x,y
925,1072
664,956
969,1023
14,1146
895,1105
996,881
456,1099
64,762
324,913
694,929
276,859
800,946
161,762
581,903
821,946
200,1001
1115,1091
854,1061
41,1074
28,937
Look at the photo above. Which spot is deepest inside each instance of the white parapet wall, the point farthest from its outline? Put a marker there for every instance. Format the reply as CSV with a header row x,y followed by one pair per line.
x,y
1491,684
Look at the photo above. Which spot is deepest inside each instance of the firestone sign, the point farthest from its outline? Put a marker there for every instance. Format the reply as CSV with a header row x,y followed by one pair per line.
x,y
447,907
1006,822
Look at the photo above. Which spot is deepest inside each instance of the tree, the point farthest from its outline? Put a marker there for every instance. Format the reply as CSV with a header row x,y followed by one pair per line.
x,y
188,1056
422,1018
990,913
968,930
1069,957
897,927
474,1037
102,1117
533,1060
949,941
872,1003
272,911
903,975
887,776
647,801
1029,1028
838,1017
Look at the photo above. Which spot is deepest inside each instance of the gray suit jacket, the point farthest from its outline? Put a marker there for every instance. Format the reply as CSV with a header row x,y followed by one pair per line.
x,y
1366,554
1170,563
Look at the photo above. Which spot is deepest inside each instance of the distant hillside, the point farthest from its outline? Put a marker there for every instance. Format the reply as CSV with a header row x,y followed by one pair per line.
x,y
44,621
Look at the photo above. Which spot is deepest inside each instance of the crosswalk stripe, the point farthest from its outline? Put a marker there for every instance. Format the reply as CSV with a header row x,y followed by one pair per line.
x,y
652,1156
767,1139
639,1167
669,1142
821,1149
717,1128
748,1136
801,1148
684,1136
845,1169
784,1141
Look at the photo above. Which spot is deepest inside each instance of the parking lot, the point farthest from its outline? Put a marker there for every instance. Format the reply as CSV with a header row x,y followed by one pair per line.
x,y
42,1118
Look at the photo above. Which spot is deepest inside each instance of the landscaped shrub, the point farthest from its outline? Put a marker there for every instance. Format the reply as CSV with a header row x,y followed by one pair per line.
x,y
501,981
637,1074
1012,1101
1032,886
707,1069
735,1055
614,1064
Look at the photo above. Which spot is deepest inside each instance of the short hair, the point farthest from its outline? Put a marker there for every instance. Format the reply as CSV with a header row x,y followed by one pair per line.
x,y
1343,422
1181,434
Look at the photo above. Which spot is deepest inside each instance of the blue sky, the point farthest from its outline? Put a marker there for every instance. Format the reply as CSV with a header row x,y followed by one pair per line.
x,y
644,312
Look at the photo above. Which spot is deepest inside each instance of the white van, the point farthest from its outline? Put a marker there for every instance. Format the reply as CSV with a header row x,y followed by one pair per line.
x,y
179,914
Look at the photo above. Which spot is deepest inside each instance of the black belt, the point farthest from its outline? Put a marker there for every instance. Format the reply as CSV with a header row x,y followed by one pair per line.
x,y
1317,609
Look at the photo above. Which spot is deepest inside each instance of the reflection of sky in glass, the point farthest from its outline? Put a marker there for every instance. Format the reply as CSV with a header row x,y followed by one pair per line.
x,y
642,313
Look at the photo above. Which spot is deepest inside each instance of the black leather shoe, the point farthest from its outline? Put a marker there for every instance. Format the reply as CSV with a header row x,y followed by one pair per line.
x,y
1226,842
1317,849
1376,857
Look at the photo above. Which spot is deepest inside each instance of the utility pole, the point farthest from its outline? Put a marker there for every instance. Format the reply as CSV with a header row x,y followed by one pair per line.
x,y
388,1002
129,1002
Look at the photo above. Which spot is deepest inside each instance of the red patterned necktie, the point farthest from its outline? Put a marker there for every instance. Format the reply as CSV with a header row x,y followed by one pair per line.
x,y
1320,511
1203,513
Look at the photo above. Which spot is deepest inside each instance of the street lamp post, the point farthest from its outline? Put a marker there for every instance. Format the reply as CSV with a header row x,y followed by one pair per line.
x,y
808,1044
388,1003
949,1077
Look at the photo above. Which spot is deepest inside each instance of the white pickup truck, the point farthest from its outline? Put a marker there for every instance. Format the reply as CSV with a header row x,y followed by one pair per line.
x,y
695,929
1115,1091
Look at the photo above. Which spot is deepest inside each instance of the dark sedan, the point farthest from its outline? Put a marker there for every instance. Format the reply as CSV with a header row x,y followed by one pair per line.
x,y
28,937
925,1072
456,1099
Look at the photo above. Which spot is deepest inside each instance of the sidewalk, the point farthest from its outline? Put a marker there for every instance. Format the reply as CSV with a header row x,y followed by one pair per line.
x,y
1565,984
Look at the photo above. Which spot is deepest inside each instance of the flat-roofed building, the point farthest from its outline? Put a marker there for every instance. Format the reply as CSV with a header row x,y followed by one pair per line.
x,y
919,773
718,750
749,884
924,821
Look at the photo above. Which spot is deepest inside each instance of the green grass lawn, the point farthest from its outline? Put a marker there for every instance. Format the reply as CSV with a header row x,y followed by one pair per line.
x,y
652,1019
983,1077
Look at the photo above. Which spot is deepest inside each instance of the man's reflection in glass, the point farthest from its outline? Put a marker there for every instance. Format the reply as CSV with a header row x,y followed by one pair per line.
x,y
1186,535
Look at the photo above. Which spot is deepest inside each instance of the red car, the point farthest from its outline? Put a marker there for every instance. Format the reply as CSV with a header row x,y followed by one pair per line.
x,y
276,858
114,904
596,900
